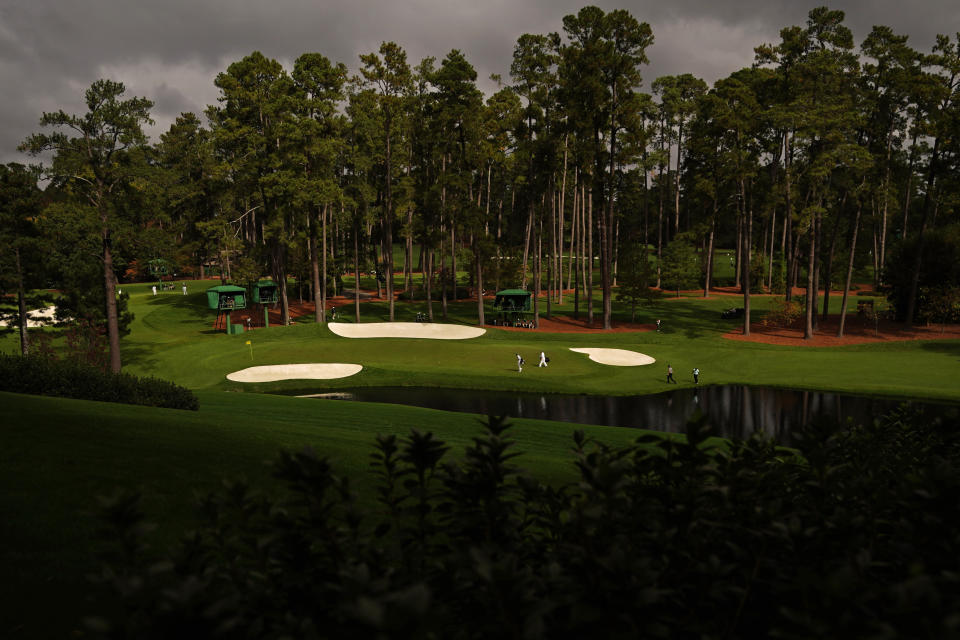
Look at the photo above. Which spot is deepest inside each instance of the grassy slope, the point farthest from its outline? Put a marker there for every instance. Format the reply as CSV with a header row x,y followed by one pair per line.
x,y
53,464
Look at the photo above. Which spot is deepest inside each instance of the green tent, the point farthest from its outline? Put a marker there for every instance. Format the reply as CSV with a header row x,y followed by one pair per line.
x,y
266,291
512,307
512,300
226,297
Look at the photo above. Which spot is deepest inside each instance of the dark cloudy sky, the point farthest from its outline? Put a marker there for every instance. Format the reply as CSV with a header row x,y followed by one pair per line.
x,y
171,50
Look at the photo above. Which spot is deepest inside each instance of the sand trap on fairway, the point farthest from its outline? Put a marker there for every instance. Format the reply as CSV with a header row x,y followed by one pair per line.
x,y
38,318
405,330
617,357
272,373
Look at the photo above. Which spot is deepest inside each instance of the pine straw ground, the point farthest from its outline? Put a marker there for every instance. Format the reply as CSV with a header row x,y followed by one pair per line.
x,y
857,329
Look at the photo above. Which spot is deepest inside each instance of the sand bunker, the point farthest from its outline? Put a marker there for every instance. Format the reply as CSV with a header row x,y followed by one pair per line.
x,y
316,371
39,318
617,357
405,330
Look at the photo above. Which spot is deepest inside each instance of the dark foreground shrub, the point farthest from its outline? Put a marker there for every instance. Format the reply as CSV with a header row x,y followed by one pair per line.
x,y
71,379
670,539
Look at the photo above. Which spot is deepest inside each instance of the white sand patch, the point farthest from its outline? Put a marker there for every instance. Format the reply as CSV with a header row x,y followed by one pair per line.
x,y
316,371
617,357
405,330
38,318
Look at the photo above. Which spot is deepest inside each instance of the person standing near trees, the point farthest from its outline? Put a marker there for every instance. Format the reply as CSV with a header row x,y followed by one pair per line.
x,y
670,375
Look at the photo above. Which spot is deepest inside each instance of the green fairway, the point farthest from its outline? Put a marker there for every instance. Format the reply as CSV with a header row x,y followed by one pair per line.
x,y
172,338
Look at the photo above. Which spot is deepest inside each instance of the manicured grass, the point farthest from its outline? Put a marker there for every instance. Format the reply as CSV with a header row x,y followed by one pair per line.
x,y
57,455
172,338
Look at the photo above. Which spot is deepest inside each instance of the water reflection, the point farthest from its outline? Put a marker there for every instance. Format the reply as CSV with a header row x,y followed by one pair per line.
x,y
733,410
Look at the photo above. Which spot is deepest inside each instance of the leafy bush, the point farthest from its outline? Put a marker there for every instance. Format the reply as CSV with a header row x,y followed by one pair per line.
x,y
939,268
849,537
783,313
47,376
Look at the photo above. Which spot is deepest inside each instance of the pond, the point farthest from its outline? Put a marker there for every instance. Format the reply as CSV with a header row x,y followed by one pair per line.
x,y
735,411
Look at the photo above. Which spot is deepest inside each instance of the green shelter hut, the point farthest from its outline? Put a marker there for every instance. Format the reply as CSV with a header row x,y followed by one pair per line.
x,y
227,296
512,306
266,292
225,299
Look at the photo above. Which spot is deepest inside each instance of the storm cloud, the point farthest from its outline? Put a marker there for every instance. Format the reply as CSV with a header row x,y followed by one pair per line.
x,y
170,52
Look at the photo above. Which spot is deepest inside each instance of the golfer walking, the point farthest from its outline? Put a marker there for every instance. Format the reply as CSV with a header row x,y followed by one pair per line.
x,y
519,363
670,375
543,359
696,375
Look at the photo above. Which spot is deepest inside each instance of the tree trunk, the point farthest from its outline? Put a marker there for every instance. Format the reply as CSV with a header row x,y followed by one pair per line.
x,y
573,234
676,186
746,246
886,206
318,315
708,273
110,290
443,281
537,249
738,252
322,298
563,194
280,273
526,246
828,267
849,278
479,283
408,254
788,255
453,259
589,258
22,305
428,281
909,195
356,271
551,263
660,217
818,219
388,219
811,301
928,201
773,238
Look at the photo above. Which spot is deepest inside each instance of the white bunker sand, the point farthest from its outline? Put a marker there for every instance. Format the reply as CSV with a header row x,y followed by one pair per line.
x,y
405,330
38,318
617,357
316,371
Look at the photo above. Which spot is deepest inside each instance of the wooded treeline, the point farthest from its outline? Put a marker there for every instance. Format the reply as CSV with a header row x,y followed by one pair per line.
x,y
820,158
